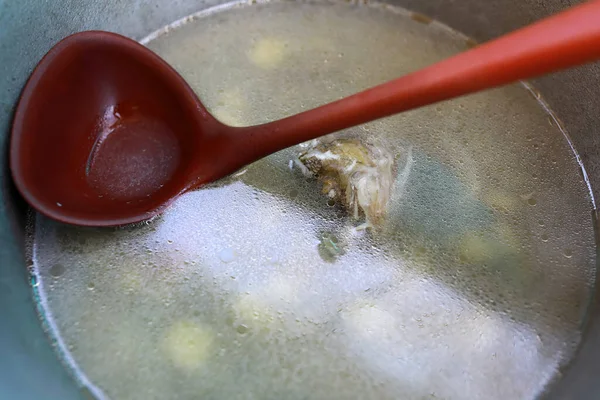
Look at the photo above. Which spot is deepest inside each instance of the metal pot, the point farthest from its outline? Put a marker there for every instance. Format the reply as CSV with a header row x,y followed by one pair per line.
x,y
29,368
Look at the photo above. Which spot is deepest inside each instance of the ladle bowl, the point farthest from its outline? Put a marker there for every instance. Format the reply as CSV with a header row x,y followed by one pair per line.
x,y
107,133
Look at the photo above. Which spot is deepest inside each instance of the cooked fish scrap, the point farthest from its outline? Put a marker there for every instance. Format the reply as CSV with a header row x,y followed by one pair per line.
x,y
357,174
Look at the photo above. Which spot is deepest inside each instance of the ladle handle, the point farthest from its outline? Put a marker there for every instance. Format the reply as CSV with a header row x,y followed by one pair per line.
x,y
564,40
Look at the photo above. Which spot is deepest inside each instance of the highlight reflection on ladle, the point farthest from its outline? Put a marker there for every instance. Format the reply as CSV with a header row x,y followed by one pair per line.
x,y
131,163
172,144
105,127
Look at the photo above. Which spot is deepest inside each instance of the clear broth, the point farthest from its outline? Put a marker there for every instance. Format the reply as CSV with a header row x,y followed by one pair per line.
x,y
257,288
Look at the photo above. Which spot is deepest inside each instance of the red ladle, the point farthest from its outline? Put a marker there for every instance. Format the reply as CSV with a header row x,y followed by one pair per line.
x,y
107,133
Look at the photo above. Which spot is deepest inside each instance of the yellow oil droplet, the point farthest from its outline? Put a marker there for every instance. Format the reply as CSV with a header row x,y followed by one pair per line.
x,y
188,344
474,248
268,53
230,107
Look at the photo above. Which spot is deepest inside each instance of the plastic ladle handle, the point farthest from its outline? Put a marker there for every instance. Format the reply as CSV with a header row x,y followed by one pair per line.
x,y
564,40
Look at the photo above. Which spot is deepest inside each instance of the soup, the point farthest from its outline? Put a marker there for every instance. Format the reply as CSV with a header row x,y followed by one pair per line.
x,y
473,286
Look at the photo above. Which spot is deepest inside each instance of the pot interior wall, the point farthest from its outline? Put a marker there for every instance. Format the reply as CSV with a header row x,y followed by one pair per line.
x,y
28,28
